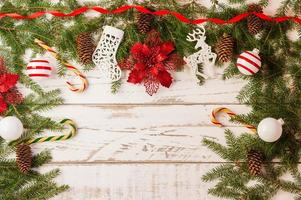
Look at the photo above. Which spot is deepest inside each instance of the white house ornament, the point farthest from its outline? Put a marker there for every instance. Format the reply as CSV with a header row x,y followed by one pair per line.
x,y
249,62
203,56
11,128
104,55
39,68
270,129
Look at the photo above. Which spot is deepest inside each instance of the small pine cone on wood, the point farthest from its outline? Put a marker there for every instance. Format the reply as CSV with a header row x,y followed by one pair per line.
x,y
255,24
255,160
24,157
85,47
144,22
224,48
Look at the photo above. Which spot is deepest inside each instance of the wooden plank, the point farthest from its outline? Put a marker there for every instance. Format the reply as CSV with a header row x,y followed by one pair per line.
x,y
137,181
184,90
139,133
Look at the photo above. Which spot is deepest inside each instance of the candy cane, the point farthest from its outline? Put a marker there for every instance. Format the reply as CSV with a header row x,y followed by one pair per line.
x,y
70,134
69,67
216,111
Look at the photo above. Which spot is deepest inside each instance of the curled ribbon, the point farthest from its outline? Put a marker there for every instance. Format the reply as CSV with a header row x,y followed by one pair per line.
x,y
142,9
70,134
216,111
70,67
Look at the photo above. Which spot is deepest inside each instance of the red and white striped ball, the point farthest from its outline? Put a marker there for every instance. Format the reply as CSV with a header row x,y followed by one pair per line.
x,y
249,62
39,68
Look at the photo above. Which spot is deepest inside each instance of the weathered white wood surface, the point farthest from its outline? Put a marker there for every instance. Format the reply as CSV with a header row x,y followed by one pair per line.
x,y
140,133
150,181
131,146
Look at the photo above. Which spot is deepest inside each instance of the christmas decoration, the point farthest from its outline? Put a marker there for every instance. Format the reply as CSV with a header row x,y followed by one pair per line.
x,y
224,48
39,68
218,110
66,136
70,67
150,62
203,56
85,47
24,157
125,8
11,128
255,24
9,94
255,159
265,94
144,22
270,129
249,62
104,56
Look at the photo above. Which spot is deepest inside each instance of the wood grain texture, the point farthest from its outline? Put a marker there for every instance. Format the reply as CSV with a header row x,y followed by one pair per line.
x,y
184,90
138,182
140,133
131,146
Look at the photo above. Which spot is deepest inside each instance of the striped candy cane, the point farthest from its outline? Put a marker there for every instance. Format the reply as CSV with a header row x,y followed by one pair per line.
x,y
216,111
70,134
70,67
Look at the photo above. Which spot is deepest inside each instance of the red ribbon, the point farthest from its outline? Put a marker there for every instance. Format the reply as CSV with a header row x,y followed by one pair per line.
x,y
142,9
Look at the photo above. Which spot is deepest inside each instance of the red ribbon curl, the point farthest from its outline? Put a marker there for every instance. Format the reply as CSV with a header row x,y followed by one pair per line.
x,y
142,9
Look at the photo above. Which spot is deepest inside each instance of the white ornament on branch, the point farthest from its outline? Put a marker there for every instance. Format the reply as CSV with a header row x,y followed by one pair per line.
x,y
104,56
204,56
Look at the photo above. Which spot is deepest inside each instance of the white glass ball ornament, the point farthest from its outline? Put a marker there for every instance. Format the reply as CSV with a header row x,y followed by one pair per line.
x,y
270,129
11,128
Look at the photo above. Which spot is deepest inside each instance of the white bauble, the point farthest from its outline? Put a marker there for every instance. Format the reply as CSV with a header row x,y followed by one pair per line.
x,y
11,128
270,129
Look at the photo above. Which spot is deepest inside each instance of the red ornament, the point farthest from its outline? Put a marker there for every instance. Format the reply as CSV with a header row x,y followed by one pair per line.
x,y
150,62
9,94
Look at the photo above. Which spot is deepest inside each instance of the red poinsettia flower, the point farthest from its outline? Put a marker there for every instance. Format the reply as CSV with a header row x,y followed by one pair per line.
x,y
8,91
8,81
150,61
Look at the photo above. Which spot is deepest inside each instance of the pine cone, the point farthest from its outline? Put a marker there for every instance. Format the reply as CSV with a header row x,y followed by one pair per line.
x,y
224,48
255,24
255,160
85,47
24,157
144,22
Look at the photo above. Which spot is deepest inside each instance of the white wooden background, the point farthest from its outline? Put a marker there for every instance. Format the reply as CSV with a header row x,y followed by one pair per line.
x,y
134,147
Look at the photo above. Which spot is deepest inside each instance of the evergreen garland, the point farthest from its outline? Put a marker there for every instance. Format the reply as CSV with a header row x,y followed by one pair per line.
x,y
273,92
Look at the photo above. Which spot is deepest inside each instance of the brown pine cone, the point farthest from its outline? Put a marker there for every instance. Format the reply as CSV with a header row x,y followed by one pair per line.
x,y
255,160
255,24
224,48
85,47
144,22
24,157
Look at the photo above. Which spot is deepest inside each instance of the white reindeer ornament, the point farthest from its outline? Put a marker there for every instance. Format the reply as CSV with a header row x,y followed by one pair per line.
x,y
204,56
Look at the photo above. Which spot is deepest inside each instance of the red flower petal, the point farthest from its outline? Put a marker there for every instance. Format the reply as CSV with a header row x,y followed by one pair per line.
x,y
165,78
161,57
139,66
3,105
7,81
154,71
167,47
174,62
136,76
13,96
151,86
140,51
